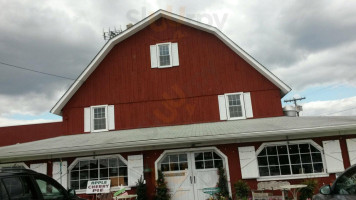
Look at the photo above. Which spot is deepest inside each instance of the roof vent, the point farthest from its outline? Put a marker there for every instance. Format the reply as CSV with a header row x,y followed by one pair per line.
x,y
129,25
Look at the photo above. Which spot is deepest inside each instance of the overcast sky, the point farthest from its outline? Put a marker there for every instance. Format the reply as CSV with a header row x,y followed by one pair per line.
x,y
310,45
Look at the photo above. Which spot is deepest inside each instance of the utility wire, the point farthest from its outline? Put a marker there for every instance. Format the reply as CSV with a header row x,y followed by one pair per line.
x,y
340,111
35,71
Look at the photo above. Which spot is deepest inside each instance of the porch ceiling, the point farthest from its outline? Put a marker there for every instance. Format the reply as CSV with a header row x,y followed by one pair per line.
x,y
171,136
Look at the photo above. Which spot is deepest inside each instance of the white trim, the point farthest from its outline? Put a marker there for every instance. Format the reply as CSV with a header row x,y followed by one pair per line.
x,y
291,177
70,167
170,55
294,176
15,163
242,104
265,144
216,150
57,109
92,118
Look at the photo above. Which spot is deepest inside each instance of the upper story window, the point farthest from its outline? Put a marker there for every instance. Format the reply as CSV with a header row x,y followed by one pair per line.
x,y
235,106
164,55
290,159
99,118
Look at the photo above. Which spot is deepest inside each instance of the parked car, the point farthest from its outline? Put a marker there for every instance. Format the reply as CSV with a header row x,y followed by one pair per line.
x,y
344,187
25,184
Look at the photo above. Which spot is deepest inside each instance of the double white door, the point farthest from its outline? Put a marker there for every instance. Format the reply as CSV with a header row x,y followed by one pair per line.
x,y
187,174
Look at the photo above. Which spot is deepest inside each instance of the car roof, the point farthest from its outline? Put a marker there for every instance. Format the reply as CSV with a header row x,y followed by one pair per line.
x,y
16,171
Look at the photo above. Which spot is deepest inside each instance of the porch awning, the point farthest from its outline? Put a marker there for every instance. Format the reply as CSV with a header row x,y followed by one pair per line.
x,y
203,134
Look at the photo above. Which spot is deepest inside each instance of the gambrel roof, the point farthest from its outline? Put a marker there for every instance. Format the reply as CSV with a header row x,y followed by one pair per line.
x,y
144,23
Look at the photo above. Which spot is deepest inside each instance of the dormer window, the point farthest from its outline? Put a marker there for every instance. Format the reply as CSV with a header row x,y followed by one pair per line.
x,y
164,55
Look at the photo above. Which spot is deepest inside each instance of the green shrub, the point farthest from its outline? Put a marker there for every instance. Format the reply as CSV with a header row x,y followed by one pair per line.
x,y
308,191
141,189
222,184
161,188
242,189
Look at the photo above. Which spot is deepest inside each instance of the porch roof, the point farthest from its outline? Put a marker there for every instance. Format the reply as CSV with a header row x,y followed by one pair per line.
x,y
251,130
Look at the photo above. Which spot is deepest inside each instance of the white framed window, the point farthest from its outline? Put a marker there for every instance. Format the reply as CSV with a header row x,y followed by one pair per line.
x,y
207,160
290,159
112,168
99,118
175,162
235,106
164,55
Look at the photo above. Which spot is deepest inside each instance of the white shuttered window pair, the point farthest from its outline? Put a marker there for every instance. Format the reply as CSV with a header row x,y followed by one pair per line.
x,y
99,118
164,55
235,106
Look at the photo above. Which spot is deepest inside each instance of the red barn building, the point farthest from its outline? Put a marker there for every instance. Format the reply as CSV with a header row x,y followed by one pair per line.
x,y
177,95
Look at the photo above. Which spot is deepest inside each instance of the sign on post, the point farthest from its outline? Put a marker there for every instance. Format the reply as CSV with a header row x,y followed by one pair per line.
x,y
98,186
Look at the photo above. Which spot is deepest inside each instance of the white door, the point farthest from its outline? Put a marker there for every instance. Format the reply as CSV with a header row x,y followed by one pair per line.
x,y
187,174
178,175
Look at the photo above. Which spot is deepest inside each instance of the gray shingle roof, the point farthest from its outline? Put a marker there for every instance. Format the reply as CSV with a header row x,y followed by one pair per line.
x,y
166,137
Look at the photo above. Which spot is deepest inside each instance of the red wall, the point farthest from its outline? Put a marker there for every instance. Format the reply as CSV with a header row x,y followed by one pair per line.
x,y
27,133
145,97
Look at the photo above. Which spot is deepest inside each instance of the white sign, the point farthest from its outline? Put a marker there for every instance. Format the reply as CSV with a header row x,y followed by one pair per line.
x,y
98,186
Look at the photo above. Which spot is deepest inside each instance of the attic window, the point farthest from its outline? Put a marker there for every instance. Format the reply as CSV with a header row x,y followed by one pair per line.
x,y
164,55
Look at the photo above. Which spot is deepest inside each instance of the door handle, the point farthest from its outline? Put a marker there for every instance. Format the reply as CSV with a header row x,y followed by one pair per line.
x,y
191,182
194,180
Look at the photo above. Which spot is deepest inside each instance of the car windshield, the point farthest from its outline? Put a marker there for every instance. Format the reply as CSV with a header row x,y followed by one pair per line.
x,y
346,184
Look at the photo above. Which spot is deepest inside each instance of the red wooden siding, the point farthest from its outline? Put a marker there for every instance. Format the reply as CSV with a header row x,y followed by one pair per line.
x,y
27,133
186,94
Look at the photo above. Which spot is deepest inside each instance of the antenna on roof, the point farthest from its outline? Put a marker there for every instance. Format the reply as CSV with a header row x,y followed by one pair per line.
x,y
111,33
297,107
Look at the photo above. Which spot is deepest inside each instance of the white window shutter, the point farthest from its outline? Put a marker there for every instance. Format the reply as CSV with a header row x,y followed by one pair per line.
x,y
248,105
87,119
39,167
111,117
135,169
59,172
248,162
351,148
222,107
333,156
175,55
153,52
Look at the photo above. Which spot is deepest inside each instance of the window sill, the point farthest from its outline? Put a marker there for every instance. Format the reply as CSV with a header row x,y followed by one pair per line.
x,y
98,131
289,177
165,66
236,118
112,189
